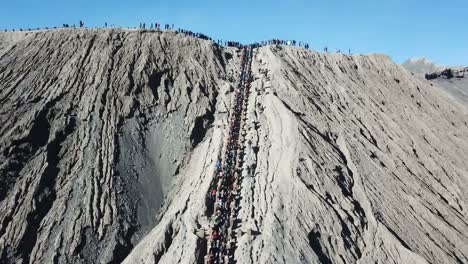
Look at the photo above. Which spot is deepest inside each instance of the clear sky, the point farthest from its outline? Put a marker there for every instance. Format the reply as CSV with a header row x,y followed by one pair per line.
x,y
402,29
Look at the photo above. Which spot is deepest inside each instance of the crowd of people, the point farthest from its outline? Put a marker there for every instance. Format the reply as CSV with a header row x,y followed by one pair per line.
x,y
158,26
236,44
193,34
293,43
223,197
155,25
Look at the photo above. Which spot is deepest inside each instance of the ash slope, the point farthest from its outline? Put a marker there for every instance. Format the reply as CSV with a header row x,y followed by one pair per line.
x,y
109,140
355,161
96,125
364,162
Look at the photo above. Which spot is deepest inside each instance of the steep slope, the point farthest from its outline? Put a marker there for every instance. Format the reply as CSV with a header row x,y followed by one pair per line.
x,y
96,125
110,139
347,160
358,162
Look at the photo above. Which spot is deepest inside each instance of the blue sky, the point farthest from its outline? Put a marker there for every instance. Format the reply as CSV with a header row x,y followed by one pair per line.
x,y
401,29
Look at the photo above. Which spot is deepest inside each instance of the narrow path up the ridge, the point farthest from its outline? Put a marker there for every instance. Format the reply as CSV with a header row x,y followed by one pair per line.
x,y
223,197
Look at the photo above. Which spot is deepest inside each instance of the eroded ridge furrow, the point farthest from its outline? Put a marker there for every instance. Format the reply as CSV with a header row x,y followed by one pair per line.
x,y
223,198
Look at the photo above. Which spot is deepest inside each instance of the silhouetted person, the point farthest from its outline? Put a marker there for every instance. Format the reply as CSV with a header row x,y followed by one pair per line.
x,y
81,24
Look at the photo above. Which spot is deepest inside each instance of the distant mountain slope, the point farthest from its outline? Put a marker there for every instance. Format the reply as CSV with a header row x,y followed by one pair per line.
x,y
454,81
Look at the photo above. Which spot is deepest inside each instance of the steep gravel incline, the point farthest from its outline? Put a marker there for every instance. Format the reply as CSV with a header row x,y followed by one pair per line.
x,y
110,137
96,126
357,162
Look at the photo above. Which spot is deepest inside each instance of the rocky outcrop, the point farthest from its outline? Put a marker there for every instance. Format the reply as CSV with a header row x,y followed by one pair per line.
x,y
454,81
110,138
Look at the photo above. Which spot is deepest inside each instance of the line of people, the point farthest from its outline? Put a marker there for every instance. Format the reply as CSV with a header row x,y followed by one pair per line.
x,y
193,34
155,26
219,42
223,197
235,44
293,43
